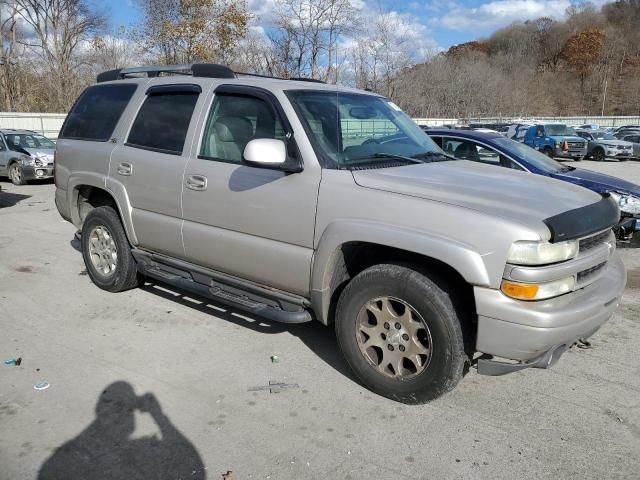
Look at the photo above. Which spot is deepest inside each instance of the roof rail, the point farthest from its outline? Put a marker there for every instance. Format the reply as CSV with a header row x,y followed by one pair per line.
x,y
210,70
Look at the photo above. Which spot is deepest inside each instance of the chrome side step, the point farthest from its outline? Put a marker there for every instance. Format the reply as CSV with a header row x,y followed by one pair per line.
x,y
225,289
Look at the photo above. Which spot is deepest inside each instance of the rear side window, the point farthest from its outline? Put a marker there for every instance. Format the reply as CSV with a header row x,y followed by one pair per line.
x,y
163,121
97,111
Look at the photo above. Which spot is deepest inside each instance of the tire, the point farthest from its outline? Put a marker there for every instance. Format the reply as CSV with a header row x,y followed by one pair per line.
x,y
436,323
598,155
15,174
102,234
548,152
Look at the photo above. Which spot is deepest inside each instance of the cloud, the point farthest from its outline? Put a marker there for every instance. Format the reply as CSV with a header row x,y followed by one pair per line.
x,y
499,13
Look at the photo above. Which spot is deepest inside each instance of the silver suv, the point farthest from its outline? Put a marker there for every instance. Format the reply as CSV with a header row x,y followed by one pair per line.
x,y
300,201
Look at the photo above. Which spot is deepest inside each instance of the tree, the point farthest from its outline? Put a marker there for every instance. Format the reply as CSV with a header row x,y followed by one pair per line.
x,y
188,31
10,81
582,51
306,33
55,32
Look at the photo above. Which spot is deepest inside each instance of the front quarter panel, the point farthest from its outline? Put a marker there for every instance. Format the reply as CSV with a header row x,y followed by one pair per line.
x,y
473,243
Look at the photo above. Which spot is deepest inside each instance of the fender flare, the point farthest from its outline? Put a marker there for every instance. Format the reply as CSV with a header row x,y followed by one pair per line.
x,y
458,255
81,179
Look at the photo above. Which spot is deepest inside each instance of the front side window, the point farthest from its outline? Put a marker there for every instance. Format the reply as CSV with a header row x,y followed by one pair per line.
x,y
233,121
97,111
358,130
163,121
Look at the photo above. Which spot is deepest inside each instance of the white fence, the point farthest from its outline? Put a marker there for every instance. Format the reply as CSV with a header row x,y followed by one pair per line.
x,y
49,124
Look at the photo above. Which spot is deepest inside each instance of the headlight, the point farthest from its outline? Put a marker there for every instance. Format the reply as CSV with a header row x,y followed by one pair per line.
x,y
27,160
538,291
627,203
541,253
558,144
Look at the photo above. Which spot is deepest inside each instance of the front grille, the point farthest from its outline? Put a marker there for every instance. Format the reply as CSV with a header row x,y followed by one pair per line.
x,y
576,145
586,275
593,241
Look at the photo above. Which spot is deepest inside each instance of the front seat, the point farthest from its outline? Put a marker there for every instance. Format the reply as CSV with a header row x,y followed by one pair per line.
x,y
230,136
466,151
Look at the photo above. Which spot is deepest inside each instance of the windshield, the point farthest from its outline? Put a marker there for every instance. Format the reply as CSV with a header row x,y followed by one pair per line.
x,y
24,140
559,129
530,155
604,136
350,129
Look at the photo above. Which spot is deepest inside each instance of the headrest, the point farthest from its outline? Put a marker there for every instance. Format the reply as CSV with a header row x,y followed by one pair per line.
x,y
233,129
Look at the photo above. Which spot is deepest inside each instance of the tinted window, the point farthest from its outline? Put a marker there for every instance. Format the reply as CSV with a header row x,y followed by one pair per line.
x,y
97,111
163,121
234,121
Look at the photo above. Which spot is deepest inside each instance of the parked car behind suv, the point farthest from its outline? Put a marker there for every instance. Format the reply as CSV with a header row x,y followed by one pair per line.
x,y
295,200
25,156
493,149
602,145
556,140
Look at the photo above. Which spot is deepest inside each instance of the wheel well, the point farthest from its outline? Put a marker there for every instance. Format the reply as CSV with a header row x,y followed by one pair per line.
x,y
354,257
90,197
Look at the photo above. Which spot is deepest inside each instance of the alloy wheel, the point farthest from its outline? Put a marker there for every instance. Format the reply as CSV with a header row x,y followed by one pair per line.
x,y
102,251
393,337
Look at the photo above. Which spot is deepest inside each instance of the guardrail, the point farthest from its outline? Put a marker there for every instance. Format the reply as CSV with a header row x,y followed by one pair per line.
x,y
49,124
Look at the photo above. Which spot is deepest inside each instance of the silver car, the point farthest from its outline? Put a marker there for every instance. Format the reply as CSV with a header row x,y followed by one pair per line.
x,y
25,156
603,145
634,139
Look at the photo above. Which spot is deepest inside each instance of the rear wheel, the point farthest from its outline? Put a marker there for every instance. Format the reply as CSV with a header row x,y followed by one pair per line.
x,y
16,175
400,333
106,251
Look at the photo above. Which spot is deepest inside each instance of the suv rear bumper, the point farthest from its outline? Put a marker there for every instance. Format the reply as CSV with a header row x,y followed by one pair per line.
x,y
523,331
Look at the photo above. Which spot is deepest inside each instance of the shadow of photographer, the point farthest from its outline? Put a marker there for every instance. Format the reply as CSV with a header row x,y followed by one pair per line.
x,y
105,449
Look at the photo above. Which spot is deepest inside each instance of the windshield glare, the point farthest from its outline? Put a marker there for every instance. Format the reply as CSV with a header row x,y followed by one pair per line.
x,y
350,128
559,129
530,155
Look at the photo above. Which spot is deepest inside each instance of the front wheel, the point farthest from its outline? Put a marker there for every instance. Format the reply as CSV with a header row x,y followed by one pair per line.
x,y
106,251
548,152
16,175
401,334
598,155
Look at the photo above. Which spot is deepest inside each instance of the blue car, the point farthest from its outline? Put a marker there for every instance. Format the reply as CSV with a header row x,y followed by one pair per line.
x,y
494,149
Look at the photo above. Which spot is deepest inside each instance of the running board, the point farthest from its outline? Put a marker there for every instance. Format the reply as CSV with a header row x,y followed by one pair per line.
x,y
231,291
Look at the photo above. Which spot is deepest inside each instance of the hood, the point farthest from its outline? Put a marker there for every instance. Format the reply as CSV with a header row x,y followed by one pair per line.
x,y
519,196
613,142
41,152
598,182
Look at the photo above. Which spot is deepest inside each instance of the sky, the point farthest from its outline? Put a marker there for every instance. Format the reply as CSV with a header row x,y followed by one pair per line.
x,y
441,23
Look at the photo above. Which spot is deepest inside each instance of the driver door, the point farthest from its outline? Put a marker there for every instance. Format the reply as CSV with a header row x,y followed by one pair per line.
x,y
251,222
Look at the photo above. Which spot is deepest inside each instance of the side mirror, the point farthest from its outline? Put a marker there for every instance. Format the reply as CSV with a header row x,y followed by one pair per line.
x,y
265,152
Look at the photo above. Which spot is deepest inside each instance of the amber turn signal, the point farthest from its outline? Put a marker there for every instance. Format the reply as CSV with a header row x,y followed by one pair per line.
x,y
521,291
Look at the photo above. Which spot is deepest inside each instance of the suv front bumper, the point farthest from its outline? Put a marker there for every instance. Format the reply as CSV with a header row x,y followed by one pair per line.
x,y
524,331
560,153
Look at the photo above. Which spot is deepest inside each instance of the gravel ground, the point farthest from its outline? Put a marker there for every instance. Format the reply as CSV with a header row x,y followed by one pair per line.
x,y
197,363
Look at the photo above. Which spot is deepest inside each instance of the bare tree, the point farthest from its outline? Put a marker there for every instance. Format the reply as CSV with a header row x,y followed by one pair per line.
x,y
10,81
57,30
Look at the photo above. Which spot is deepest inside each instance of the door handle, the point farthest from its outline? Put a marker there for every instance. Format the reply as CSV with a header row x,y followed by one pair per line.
x,y
125,169
197,182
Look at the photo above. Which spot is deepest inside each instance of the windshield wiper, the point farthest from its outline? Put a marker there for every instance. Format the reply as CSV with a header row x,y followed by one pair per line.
x,y
432,155
360,161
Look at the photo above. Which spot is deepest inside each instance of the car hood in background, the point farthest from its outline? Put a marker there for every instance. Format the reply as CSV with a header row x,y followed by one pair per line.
x,y
622,143
40,152
598,182
519,196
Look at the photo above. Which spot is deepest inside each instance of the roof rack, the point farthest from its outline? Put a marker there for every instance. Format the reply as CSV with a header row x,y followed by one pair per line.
x,y
208,70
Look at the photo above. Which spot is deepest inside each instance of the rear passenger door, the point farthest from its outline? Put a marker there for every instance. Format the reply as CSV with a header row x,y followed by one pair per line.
x,y
148,163
251,222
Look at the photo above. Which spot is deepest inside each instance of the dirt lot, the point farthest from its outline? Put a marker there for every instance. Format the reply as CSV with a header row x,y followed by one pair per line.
x,y
204,367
